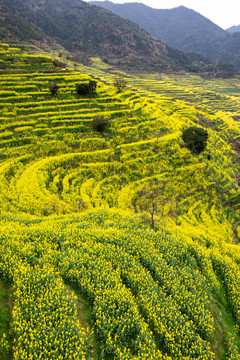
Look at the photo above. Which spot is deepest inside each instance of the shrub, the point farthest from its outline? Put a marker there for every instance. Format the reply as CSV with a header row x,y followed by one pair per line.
x,y
82,89
195,139
53,88
57,63
100,123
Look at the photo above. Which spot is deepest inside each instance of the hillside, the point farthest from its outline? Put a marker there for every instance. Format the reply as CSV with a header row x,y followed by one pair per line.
x,y
86,271
85,31
182,28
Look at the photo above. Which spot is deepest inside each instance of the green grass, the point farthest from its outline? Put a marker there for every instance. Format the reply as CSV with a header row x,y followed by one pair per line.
x,y
224,325
5,318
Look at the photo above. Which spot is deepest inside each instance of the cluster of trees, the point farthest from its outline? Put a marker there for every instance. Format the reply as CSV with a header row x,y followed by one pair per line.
x,y
81,88
91,87
84,89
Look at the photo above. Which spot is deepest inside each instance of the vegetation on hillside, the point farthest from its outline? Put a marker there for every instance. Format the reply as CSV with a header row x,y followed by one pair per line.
x,y
125,219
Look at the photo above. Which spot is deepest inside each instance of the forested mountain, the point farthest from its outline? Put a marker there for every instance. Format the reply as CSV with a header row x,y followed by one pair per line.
x,y
86,30
182,28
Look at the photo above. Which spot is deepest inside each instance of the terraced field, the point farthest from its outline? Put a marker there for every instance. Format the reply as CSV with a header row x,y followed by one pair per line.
x,y
87,270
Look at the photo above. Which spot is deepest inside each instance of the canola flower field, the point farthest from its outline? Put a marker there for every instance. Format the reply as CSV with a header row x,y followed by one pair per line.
x,y
70,230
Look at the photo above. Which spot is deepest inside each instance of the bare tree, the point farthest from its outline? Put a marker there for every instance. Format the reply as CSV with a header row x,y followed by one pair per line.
x,y
92,86
119,83
152,200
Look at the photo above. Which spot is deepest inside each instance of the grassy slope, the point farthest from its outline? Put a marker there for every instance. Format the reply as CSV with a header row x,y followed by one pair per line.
x,y
172,292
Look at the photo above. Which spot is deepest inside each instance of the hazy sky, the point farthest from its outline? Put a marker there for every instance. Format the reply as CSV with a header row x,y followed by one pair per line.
x,y
224,13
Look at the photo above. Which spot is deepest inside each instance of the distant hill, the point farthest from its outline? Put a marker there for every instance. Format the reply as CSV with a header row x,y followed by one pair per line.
x,y
86,31
234,29
182,28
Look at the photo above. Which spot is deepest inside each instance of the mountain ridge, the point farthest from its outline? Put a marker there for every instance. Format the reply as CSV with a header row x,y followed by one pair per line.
x,y
182,28
235,28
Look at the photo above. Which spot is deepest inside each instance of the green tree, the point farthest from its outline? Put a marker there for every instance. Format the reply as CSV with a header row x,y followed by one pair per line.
x,y
195,139
82,89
